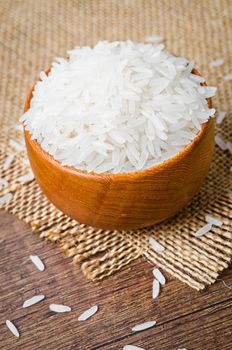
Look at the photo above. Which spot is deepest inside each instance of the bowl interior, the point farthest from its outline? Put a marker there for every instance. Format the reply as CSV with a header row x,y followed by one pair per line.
x,y
137,173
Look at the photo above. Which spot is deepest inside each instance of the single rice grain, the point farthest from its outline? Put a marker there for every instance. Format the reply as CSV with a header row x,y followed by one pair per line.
x,y
159,276
229,146
220,142
34,300
8,162
156,245
156,39
10,325
26,178
228,77
132,347
143,326
59,308
19,127
6,198
220,117
88,313
3,182
37,262
26,162
155,289
16,145
213,221
203,230
217,63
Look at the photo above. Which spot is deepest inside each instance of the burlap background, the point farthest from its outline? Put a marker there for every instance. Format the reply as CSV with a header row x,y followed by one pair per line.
x,y
32,32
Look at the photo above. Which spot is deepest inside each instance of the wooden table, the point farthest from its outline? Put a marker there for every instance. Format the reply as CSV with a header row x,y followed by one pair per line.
x,y
185,318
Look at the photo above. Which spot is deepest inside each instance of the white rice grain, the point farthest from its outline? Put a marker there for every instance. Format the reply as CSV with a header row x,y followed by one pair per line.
x,y
26,162
159,276
143,326
59,308
213,221
8,161
10,325
16,145
132,347
37,262
88,313
220,117
26,178
155,289
6,198
220,142
156,39
19,127
197,78
156,245
3,182
203,230
117,107
228,77
229,146
34,300
217,63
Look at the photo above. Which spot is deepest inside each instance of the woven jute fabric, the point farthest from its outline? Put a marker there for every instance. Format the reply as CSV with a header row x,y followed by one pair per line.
x,y
32,33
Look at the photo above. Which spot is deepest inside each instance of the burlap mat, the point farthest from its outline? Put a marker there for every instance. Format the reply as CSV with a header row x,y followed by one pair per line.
x,y
31,34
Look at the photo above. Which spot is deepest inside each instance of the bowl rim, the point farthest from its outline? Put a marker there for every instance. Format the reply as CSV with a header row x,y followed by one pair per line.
x,y
120,176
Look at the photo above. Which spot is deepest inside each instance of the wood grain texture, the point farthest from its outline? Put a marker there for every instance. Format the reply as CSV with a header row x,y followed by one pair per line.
x,y
124,201
185,318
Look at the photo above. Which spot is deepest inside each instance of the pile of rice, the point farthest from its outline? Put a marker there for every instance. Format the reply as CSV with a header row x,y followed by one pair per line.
x,y
118,107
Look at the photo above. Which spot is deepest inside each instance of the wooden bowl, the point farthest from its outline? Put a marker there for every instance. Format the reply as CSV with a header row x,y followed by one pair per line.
x,y
124,201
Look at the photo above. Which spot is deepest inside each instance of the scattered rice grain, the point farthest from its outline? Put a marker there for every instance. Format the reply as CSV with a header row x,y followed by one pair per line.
x,y
228,77
132,347
8,161
34,300
220,142
59,308
159,276
26,178
26,162
3,182
203,230
213,221
229,146
156,39
6,198
10,325
143,326
37,262
220,117
155,289
156,245
16,145
217,63
88,313
19,127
